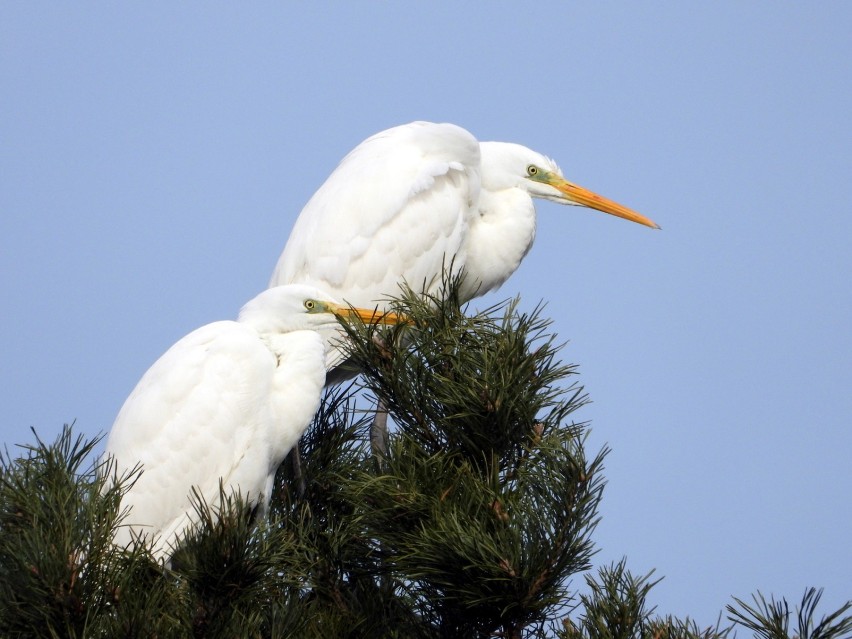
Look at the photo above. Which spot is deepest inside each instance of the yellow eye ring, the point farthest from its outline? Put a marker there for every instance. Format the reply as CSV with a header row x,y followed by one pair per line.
x,y
532,169
310,305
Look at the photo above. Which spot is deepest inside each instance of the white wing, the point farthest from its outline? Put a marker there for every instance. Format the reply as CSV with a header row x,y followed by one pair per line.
x,y
211,407
395,209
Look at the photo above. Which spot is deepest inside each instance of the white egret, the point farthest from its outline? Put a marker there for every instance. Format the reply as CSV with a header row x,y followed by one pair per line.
x,y
225,403
413,199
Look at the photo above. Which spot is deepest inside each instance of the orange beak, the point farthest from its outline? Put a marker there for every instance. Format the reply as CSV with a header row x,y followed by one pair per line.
x,y
374,316
576,194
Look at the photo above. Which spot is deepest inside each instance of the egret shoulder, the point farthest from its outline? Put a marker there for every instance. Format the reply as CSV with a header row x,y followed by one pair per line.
x,y
397,203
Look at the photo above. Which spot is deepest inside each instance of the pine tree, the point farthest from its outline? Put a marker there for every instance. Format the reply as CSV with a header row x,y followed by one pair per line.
x,y
484,504
470,522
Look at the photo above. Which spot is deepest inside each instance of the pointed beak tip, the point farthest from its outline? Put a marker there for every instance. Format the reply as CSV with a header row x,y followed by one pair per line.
x,y
580,196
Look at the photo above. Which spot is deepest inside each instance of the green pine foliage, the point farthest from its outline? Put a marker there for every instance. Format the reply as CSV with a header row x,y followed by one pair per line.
x,y
60,576
484,504
470,521
615,607
771,619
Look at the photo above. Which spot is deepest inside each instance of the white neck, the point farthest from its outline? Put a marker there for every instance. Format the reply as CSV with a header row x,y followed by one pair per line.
x,y
498,239
296,384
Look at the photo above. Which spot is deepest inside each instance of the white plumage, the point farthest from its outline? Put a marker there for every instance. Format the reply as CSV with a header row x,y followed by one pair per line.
x,y
410,200
227,402
393,208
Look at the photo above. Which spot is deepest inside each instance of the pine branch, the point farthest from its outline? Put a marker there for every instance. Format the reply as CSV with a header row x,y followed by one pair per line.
x,y
342,593
471,524
771,619
616,608
59,572
486,500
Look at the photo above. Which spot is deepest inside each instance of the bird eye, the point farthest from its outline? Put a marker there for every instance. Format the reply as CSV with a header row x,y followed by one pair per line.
x,y
532,169
310,305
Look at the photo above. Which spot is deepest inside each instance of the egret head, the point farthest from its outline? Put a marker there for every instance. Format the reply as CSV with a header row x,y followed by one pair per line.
x,y
294,307
506,165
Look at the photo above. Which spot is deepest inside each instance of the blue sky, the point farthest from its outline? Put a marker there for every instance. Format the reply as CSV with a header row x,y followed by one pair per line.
x,y
153,159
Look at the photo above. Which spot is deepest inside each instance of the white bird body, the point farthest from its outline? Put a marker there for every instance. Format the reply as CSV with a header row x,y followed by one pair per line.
x,y
395,209
225,403
410,201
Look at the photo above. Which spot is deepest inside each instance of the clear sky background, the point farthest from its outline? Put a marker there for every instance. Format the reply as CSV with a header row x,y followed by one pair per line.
x,y
153,159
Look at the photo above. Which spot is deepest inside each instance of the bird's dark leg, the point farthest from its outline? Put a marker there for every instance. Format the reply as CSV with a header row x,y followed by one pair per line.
x,y
379,430
298,473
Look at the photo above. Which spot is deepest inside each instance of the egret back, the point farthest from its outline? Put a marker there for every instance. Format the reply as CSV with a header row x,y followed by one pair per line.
x,y
219,404
395,210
